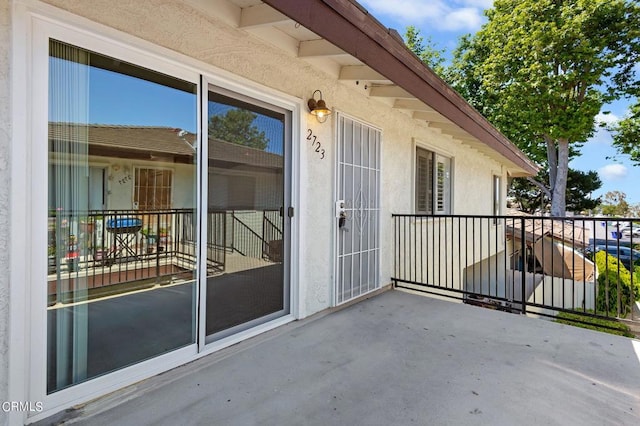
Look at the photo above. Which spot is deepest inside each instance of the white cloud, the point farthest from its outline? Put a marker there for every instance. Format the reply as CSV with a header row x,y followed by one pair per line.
x,y
461,19
613,172
456,15
602,136
407,10
607,119
484,4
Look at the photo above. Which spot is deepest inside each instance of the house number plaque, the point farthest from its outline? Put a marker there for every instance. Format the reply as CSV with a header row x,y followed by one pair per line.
x,y
315,143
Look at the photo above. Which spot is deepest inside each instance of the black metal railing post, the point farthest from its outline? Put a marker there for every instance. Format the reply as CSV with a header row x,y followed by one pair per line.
x,y
523,278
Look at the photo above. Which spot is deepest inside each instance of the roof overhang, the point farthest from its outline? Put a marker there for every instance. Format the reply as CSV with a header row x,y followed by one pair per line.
x,y
340,38
346,25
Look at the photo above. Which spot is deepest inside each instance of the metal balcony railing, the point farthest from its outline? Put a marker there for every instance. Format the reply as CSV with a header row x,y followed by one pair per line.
x,y
527,264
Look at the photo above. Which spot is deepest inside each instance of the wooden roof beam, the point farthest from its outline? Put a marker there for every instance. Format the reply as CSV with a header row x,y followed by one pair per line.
x,y
318,48
412,104
261,15
450,129
390,91
430,116
348,25
360,72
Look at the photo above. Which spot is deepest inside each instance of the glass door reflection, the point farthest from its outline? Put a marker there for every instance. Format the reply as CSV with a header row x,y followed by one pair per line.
x,y
246,226
121,215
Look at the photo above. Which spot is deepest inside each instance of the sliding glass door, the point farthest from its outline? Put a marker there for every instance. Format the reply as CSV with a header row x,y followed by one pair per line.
x,y
132,154
246,202
122,236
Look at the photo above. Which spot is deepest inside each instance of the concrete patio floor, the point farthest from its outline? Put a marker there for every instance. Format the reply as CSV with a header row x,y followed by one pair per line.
x,y
395,359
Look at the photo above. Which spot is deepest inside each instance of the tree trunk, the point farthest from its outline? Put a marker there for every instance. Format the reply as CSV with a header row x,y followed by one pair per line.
x,y
552,159
558,202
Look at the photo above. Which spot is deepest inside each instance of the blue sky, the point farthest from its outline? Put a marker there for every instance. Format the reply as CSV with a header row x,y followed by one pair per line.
x,y
446,20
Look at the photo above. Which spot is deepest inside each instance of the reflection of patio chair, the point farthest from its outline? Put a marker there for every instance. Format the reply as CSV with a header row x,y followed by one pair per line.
x,y
124,230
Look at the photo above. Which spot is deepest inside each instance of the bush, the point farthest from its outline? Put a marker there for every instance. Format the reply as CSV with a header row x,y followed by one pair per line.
x,y
615,274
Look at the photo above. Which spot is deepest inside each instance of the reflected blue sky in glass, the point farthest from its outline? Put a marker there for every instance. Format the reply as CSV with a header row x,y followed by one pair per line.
x,y
120,99
124,100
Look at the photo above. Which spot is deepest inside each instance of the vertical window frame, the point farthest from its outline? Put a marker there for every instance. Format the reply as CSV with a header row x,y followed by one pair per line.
x,y
436,199
497,194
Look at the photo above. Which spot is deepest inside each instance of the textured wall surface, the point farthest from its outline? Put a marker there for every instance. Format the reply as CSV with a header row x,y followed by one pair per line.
x,y
181,28
5,170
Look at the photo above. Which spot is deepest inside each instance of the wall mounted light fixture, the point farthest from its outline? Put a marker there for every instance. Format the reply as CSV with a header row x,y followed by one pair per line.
x,y
318,107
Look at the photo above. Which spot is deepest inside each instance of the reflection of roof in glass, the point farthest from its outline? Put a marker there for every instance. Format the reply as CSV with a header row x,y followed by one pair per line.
x,y
107,140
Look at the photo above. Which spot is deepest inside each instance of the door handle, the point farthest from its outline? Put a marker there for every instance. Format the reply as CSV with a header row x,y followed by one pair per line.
x,y
342,220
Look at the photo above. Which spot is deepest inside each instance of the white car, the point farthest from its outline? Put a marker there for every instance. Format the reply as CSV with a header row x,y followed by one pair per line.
x,y
619,225
634,230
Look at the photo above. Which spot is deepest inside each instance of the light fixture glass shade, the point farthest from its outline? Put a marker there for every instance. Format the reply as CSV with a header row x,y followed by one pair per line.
x,y
319,108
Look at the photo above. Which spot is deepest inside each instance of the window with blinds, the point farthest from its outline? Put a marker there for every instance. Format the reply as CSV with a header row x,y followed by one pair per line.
x,y
433,183
424,181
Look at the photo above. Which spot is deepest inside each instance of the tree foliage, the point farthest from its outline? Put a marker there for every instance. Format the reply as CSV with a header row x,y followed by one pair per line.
x,y
615,204
426,50
541,70
626,136
236,126
532,198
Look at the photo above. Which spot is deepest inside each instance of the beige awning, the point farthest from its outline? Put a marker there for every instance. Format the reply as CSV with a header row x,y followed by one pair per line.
x,y
559,260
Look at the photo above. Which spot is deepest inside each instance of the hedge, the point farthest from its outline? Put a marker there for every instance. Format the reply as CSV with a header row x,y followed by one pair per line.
x,y
615,273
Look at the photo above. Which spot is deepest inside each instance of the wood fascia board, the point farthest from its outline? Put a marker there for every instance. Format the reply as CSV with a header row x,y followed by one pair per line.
x,y
350,27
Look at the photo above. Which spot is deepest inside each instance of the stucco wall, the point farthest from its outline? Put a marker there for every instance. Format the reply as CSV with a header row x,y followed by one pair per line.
x,y
5,130
180,28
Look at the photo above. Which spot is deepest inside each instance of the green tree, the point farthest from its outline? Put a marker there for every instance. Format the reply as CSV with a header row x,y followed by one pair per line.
x,y
426,50
236,126
615,204
533,195
626,137
541,70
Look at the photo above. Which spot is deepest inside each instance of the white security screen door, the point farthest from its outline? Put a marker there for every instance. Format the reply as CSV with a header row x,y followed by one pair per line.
x,y
357,210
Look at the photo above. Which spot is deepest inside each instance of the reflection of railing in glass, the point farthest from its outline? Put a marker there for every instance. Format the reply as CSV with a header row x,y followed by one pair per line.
x,y
250,238
111,247
272,232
